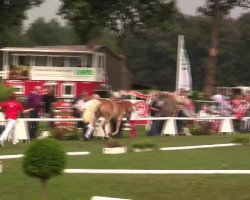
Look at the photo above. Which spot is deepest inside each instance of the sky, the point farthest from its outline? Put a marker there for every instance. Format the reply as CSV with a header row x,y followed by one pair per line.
x,y
49,8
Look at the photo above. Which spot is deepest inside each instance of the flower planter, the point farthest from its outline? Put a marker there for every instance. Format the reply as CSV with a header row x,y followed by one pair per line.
x,y
114,150
1,167
142,150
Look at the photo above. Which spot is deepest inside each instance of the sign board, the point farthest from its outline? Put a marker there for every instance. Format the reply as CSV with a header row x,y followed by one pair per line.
x,y
62,73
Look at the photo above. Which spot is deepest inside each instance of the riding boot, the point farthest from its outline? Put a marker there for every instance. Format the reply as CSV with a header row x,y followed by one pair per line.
x,y
89,132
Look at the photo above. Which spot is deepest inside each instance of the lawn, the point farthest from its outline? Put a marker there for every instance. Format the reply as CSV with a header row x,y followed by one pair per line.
x,y
14,184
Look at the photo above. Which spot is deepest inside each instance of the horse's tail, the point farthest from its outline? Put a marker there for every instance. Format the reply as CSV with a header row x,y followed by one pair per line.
x,y
89,113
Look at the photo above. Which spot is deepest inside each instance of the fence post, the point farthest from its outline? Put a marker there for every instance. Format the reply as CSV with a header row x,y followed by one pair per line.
x,y
227,126
21,130
169,128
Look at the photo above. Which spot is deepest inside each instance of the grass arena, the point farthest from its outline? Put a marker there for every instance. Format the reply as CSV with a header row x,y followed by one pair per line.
x,y
210,173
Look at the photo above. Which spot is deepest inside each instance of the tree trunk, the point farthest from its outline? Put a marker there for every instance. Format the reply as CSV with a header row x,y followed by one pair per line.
x,y
43,189
211,69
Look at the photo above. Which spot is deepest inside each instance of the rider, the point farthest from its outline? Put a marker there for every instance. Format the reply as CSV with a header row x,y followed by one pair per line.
x,y
80,106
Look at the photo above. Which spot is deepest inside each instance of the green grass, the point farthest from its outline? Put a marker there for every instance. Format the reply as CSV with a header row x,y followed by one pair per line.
x,y
14,184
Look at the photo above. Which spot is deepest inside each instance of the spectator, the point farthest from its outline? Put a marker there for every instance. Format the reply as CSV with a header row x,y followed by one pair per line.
x,y
155,111
12,109
35,102
239,109
48,100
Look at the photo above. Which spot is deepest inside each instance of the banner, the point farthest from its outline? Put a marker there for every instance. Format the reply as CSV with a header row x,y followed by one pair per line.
x,y
183,72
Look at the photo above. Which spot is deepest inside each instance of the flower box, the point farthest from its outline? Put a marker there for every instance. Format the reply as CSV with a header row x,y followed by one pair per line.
x,y
1,167
142,150
114,150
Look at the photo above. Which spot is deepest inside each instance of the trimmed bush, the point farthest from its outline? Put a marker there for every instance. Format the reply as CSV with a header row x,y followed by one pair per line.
x,y
200,129
44,159
145,144
113,144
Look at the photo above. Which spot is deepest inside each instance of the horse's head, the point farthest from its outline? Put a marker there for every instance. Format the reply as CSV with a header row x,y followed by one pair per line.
x,y
129,107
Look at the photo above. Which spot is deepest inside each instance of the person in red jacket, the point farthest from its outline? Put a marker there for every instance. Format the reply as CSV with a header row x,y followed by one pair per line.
x,y
12,109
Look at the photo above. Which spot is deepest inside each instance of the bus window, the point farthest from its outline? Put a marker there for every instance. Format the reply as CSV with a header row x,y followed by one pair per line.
x,y
24,60
75,62
57,61
41,61
68,90
89,60
18,89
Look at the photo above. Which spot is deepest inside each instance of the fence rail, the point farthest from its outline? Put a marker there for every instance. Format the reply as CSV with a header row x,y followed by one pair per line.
x,y
137,119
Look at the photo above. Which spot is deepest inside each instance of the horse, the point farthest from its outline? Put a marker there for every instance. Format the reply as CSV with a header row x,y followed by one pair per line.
x,y
110,110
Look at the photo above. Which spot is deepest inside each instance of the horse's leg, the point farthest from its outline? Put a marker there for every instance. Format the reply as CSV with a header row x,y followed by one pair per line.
x,y
106,121
117,127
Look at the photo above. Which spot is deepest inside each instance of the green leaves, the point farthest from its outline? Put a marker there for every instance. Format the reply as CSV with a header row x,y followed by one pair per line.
x,y
44,159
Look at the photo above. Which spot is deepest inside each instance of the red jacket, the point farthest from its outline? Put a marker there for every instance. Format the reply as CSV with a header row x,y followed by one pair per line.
x,y
12,108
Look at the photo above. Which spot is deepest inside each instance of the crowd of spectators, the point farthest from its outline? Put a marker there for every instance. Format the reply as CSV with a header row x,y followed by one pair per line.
x,y
179,105
218,106
223,106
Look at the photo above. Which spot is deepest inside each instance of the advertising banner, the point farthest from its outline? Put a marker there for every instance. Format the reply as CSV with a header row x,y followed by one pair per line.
x,y
62,73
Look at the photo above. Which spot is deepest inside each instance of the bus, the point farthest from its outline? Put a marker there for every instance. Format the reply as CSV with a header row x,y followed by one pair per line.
x,y
69,69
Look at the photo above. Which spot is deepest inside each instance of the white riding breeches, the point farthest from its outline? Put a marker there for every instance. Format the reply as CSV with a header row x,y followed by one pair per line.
x,y
10,124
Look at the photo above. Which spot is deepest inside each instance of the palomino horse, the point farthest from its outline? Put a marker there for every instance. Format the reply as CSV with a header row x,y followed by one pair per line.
x,y
110,110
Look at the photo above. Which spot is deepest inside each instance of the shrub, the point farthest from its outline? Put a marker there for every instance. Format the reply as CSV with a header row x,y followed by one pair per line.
x,y
113,144
240,140
44,159
200,129
71,135
144,145
5,92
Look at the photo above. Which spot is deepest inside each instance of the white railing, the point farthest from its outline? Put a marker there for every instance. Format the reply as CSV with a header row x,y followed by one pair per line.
x,y
136,119
2,74
169,127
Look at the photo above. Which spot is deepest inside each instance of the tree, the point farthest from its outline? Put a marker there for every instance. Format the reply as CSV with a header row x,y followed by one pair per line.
x,y
41,32
217,9
12,12
152,57
44,159
13,36
91,17
5,92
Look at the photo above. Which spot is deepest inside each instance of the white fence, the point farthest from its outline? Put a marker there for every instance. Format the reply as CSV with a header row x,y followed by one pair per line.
x,y
169,127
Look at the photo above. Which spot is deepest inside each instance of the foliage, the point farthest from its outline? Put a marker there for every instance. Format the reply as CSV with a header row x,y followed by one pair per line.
x,y
224,6
44,159
90,18
240,140
13,12
200,128
71,135
114,143
66,133
5,92
49,33
217,9
144,144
